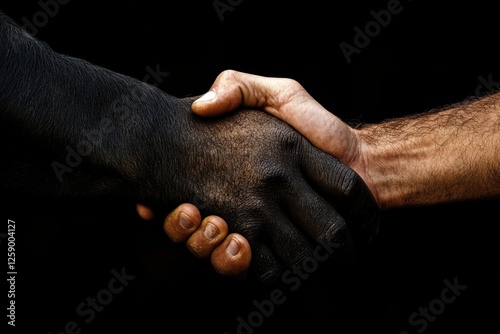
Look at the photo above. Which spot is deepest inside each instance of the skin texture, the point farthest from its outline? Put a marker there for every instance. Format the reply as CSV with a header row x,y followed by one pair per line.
x,y
398,158
78,129
443,155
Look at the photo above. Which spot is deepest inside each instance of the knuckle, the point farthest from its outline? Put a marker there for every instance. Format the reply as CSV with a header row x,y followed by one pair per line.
x,y
227,75
273,178
247,218
336,232
290,141
349,181
292,84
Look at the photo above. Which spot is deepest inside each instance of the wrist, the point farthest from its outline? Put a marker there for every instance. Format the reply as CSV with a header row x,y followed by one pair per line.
x,y
360,159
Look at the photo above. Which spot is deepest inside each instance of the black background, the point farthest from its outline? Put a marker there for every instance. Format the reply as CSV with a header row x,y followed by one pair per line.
x,y
430,55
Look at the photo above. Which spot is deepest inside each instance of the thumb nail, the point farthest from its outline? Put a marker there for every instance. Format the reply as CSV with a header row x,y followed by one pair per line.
x,y
233,248
208,96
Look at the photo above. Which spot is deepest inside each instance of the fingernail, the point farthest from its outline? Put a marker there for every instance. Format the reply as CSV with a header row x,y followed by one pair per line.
x,y
208,96
233,248
185,221
210,231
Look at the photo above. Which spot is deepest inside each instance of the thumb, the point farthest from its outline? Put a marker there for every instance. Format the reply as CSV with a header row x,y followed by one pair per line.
x,y
214,103
230,90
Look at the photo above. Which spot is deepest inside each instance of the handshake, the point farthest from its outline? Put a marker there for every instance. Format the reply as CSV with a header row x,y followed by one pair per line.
x,y
272,180
309,202
273,188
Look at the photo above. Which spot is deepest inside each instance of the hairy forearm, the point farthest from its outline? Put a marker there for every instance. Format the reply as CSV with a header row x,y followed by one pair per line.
x,y
451,154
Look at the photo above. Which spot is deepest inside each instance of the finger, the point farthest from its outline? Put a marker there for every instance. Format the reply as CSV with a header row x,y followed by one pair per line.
x,y
182,222
144,212
313,213
210,234
344,189
279,246
286,240
265,267
232,258
319,219
233,89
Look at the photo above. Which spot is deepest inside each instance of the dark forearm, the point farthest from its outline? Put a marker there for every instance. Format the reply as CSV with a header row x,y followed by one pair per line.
x,y
83,115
